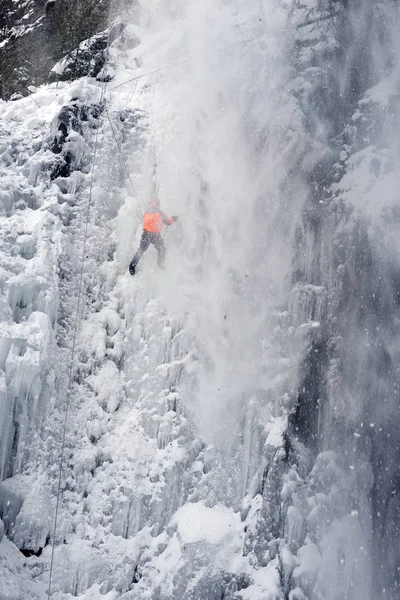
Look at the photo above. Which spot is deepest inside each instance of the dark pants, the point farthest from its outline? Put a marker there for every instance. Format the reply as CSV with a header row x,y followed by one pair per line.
x,y
150,238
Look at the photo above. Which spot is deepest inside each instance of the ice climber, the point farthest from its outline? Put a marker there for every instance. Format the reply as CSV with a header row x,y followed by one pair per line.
x,y
153,221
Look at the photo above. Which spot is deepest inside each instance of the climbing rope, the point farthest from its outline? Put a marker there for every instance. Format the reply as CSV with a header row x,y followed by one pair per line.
x,y
180,62
122,159
72,359
146,74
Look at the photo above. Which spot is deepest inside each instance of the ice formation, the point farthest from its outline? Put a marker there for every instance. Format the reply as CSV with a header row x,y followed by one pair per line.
x,y
222,439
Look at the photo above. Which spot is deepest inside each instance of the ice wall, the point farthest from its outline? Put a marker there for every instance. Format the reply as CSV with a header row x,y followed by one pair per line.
x,y
223,438
355,384
183,378
333,530
29,284
188,376
35,214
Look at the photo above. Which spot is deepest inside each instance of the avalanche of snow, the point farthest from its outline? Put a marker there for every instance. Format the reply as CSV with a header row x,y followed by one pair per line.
x,y
176,478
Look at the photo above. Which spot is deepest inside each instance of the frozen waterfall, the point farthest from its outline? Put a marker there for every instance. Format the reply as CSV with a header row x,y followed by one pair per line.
x,y
232,418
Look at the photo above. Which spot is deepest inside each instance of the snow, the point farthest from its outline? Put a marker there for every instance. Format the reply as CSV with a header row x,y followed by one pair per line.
x,y
196,523
107,387
276,428
16,581
183,477
94,593
35,519
152,355
309,564
266,585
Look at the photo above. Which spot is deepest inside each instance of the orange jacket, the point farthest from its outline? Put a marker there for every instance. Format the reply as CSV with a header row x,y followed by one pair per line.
x,y
153,221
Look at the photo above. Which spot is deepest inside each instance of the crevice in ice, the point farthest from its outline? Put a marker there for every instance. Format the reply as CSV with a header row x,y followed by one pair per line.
x,y
27,246
26,298
305,420
28,552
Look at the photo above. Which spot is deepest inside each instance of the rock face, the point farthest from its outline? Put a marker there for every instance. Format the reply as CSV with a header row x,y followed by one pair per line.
x,y
348,90
35,34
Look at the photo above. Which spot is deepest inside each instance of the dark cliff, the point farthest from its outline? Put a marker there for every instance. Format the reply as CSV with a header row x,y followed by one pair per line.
x,y
35,34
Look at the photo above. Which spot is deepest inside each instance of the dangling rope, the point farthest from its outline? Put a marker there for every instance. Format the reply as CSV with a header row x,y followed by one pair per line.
x,y
146,74
183,61
72,359
122,159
